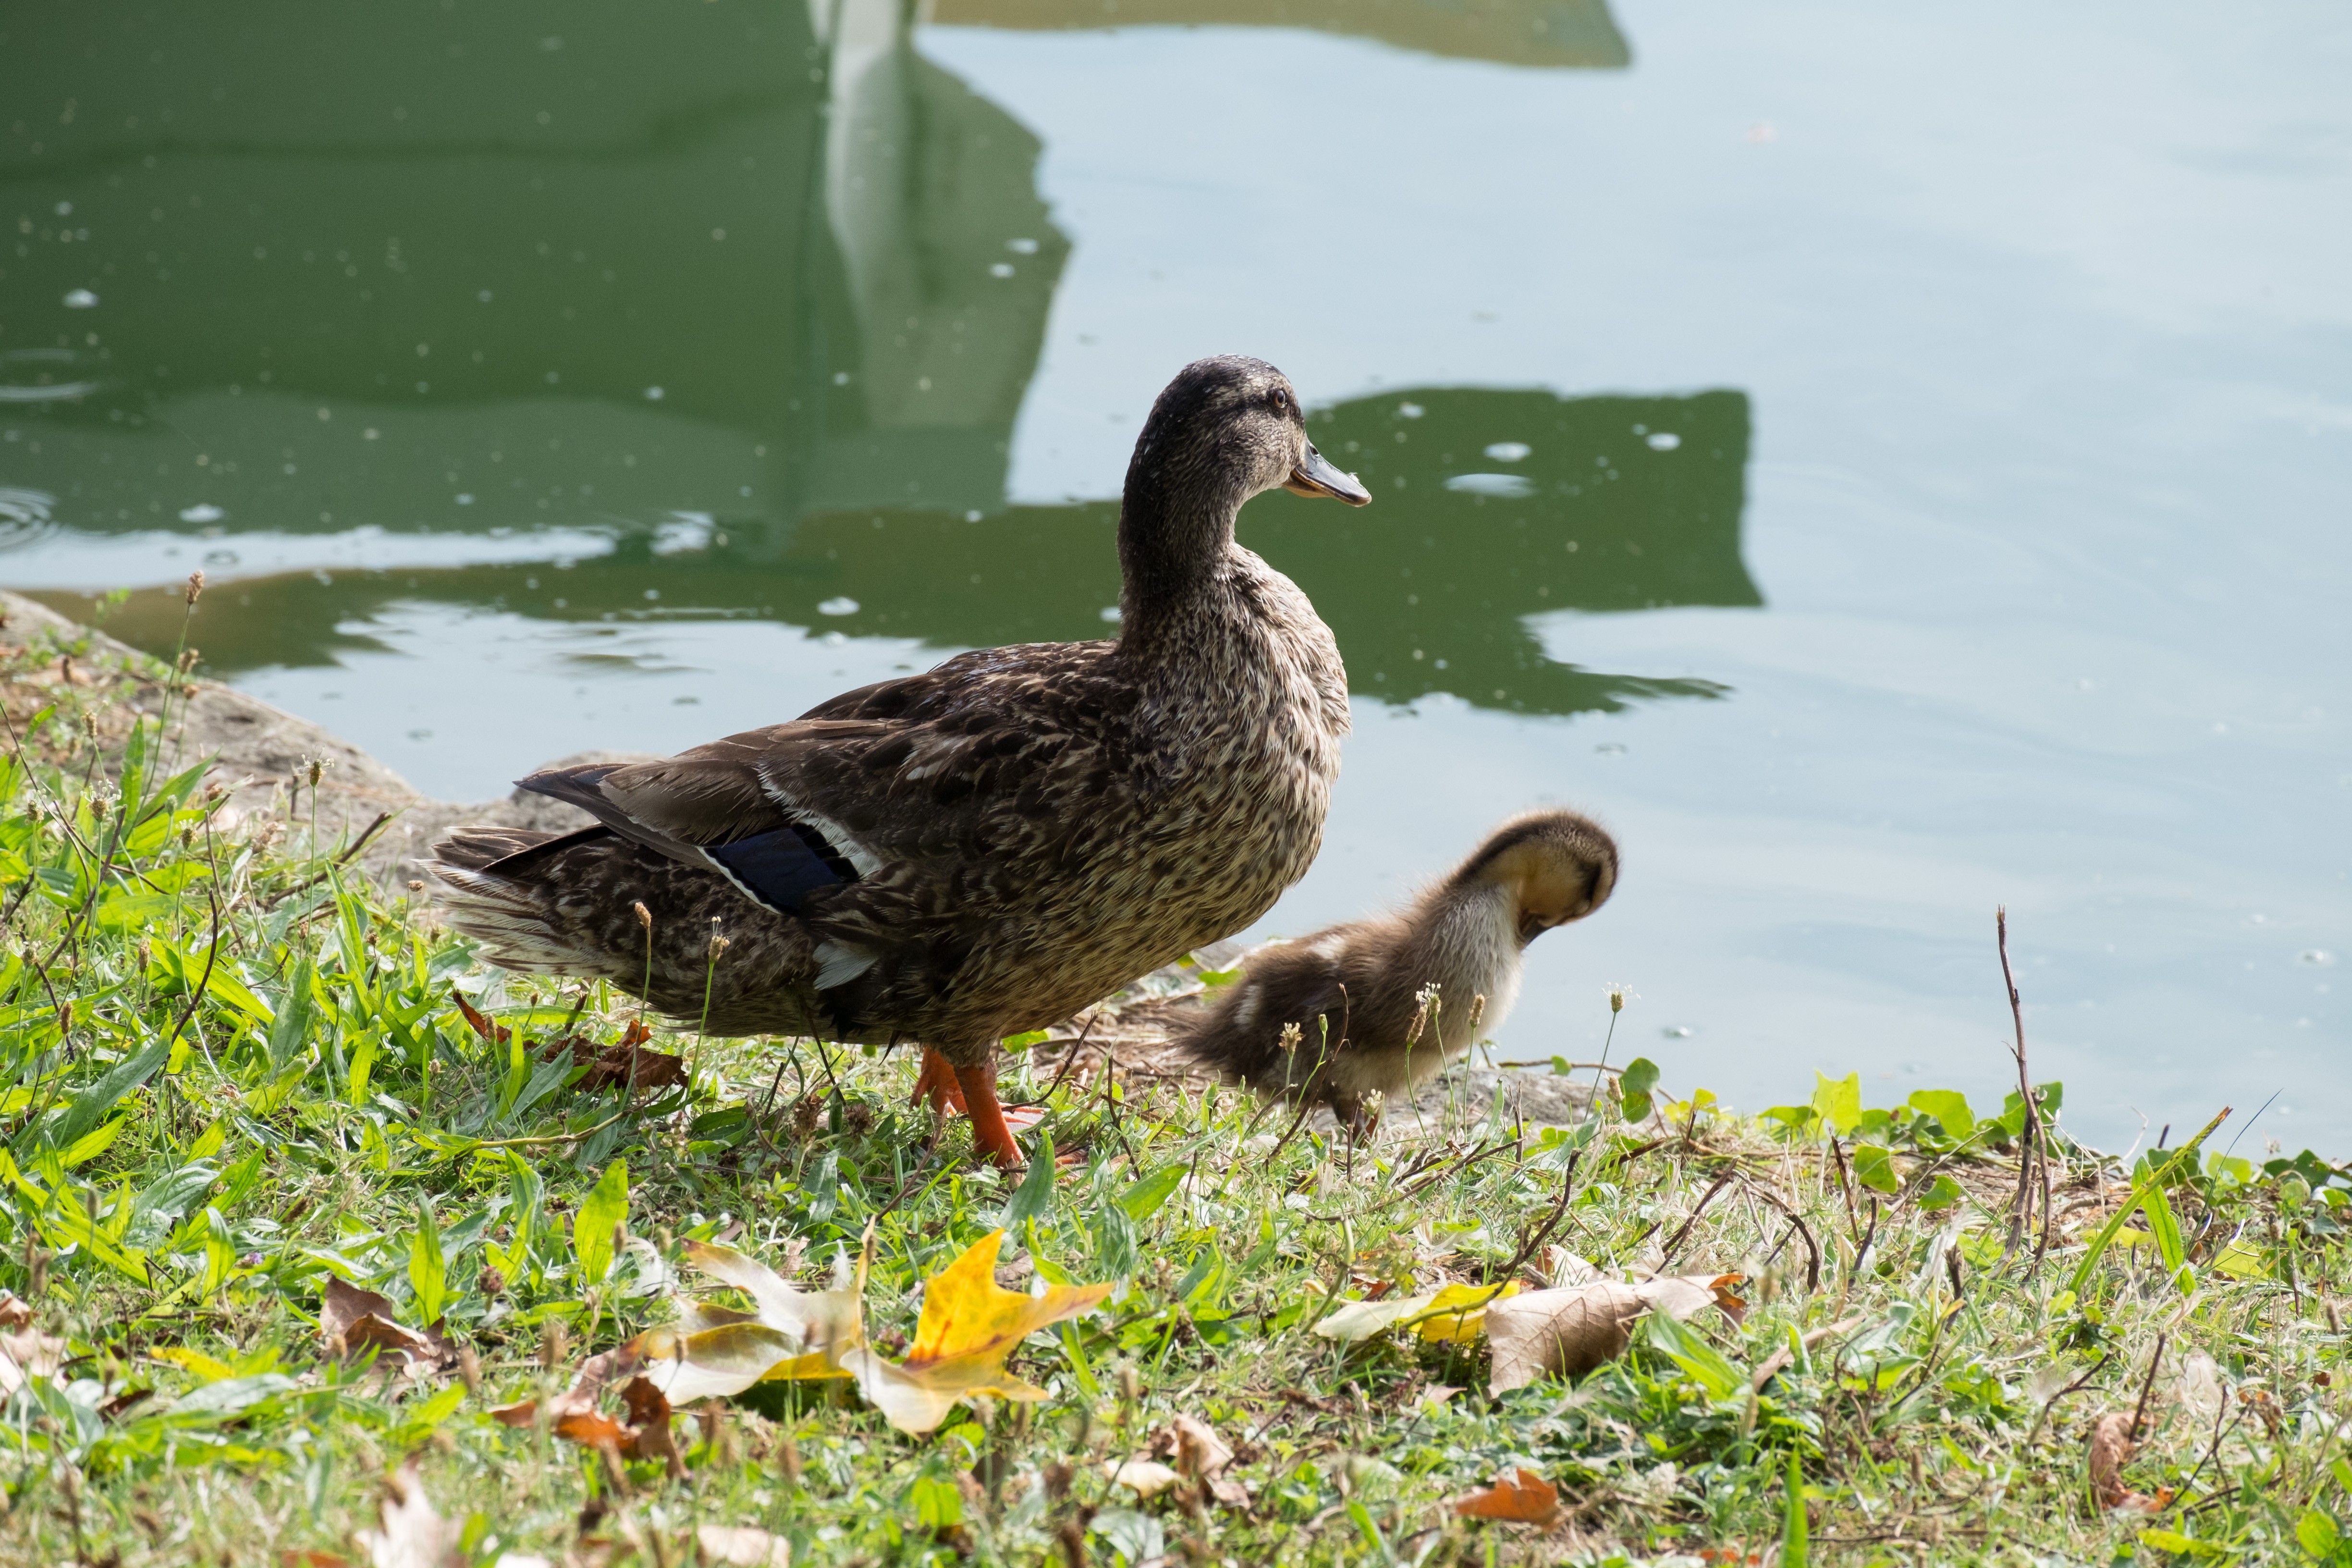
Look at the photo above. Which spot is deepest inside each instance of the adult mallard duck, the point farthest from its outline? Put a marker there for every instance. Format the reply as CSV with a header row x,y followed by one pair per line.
x,y
963,855
1347,1015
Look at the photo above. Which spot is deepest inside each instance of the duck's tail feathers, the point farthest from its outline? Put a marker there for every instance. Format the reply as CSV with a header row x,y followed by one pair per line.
x,y
514,919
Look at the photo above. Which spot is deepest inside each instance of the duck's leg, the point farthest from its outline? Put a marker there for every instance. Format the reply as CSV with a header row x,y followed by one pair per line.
x,y
989,1132
937,1083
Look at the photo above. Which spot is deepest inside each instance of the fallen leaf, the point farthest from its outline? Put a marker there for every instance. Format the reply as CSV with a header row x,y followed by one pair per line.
x,y
1522,1498
1145,1477
970,1325
740,1546
497,1034
353,1321
818,1324
412,1536
1684,1296
650,1436
1562,1269
2112,1447
627,1062
595,1374
28,1352
1457,1314
1568,1331
1200,1452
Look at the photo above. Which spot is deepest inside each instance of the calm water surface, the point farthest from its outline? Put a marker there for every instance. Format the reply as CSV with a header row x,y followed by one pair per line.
x,y
1883,465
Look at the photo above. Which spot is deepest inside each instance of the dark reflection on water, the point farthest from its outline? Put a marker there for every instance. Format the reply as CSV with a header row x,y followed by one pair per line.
x,y
1574,33
1595,503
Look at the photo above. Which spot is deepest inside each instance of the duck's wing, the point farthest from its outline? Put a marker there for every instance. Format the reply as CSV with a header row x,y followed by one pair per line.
x,y
965,767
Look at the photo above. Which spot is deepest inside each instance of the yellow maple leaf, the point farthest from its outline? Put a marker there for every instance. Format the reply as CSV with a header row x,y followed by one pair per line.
x,y
970,1325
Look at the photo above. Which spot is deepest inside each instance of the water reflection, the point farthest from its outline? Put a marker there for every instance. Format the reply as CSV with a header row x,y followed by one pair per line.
x,y
617,317
427,267
1574,33
1494,507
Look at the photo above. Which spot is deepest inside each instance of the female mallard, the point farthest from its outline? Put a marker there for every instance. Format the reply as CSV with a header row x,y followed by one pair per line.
x,y
959,856
1350,1013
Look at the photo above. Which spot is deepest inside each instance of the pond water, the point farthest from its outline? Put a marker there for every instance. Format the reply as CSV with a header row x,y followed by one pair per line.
x,y
1884,464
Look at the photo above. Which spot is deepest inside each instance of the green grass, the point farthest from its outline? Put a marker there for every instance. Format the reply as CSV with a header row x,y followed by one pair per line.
x,y
230,1069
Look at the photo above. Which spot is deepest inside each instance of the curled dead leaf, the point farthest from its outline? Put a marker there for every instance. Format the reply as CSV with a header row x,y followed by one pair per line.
x,y
595,1374
1570,1331
1521,1498
354,1321
629,1062
2112,1447
1565,1333
1200,1452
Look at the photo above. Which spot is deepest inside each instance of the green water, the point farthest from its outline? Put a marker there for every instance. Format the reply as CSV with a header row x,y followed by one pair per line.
x,y
1883,466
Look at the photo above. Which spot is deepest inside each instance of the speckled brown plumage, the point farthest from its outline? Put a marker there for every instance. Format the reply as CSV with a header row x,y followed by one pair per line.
x,y
1029,828
1359,996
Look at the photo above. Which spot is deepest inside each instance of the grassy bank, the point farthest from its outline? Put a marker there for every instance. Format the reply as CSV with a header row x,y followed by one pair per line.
x,y
233,1072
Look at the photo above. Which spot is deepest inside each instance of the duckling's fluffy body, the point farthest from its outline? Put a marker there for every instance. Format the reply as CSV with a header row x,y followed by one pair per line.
x,y
1359,996
986,848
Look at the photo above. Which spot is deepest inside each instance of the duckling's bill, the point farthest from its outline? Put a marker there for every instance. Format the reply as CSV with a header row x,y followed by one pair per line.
x,y
1316,475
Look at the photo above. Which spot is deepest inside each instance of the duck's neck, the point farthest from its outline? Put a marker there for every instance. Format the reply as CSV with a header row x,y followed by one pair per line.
x,y
1175,539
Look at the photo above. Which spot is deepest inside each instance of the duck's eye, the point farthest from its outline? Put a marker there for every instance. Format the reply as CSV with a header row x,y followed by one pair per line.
x,y
1281,401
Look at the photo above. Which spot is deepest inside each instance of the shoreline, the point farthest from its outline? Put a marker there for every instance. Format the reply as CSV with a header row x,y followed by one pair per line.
x,y
262,753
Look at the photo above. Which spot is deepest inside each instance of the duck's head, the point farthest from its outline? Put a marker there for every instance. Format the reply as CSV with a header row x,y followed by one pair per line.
x,y
1554,866
1225,429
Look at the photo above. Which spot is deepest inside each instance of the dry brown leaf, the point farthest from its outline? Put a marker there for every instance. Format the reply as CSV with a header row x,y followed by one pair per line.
x,y
629,1062
28,1352
1684,1296
1200,1452
1566,1333
353,1320
595,1374
1521,1498
2112,1447
412,1536
740,1546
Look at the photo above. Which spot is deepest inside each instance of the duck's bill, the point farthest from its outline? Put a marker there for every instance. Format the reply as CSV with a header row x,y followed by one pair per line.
x,y
1314,476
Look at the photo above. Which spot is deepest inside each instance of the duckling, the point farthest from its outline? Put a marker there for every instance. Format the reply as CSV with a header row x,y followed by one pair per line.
x,y
986,848
1378,1006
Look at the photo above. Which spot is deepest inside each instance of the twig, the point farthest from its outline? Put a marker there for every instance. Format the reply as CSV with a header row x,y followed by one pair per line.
x,y
2029,1140
2211,1453
2050,1403
344,859
1068,1062
1675,1244
1535,1241
2139,1411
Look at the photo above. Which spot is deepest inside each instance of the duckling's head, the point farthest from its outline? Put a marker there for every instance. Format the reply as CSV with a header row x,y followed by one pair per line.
x,y
1225,429
1554,866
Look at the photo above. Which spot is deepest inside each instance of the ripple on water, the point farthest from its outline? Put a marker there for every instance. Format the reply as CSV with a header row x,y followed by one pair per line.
x,y
25,516
1506,487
